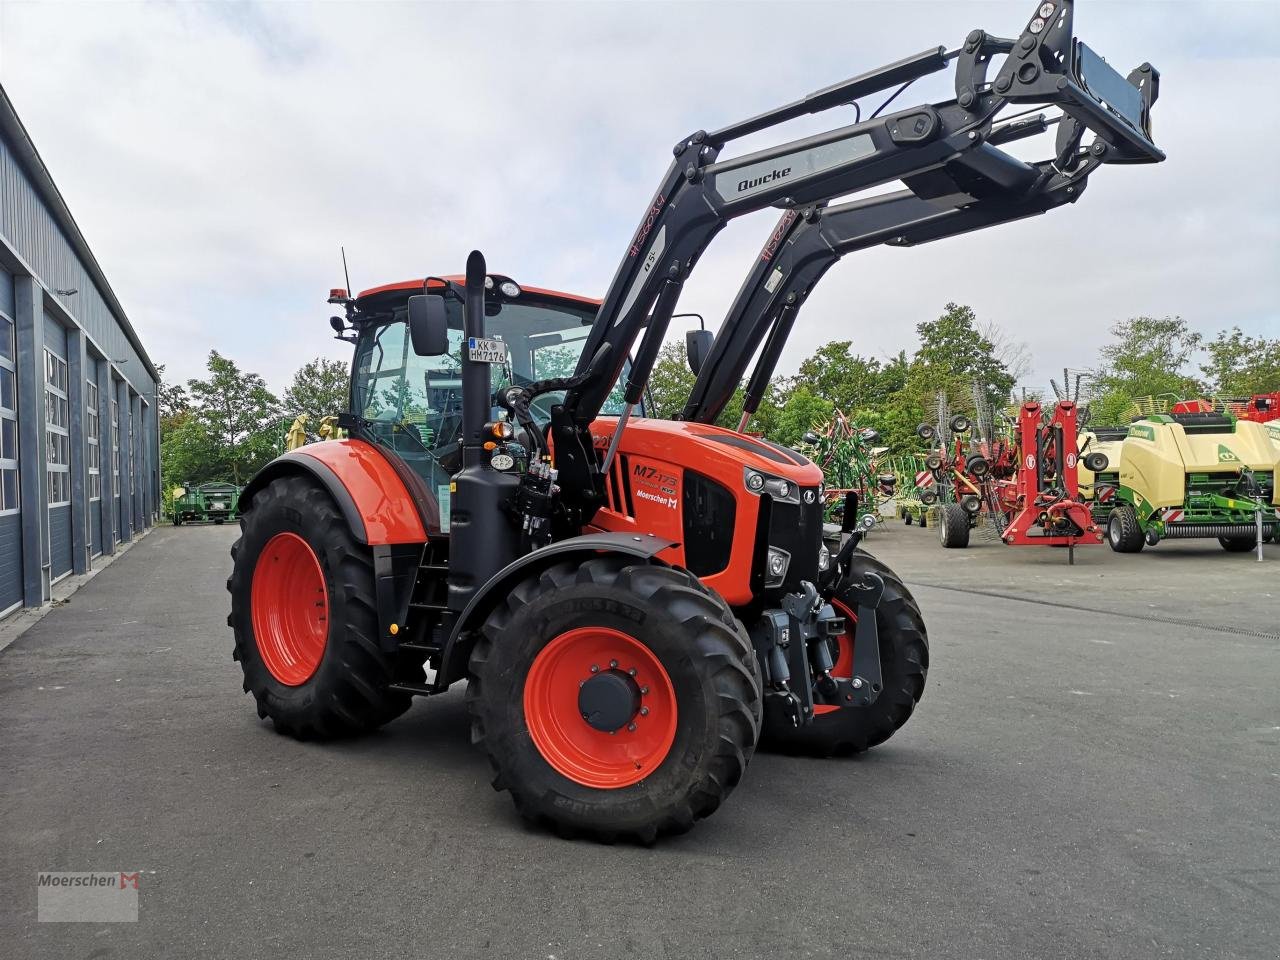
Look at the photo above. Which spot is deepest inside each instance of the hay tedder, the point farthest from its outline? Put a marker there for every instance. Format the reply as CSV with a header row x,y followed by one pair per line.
x,y
631,602
855,470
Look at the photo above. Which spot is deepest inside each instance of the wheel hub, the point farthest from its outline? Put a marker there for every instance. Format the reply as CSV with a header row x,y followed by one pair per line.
x,y
609,700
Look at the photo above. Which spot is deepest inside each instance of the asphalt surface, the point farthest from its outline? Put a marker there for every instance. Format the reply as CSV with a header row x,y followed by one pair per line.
x,y
1097,775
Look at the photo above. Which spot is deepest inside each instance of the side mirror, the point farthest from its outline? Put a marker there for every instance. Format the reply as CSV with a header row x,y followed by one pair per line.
x,y
697,344
428,325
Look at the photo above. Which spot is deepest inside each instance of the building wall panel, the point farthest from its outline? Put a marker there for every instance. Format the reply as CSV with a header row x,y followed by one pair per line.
x,y
10,560
60,540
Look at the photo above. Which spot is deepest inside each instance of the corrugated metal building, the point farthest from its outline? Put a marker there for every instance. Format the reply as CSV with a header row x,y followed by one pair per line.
x,y
79,437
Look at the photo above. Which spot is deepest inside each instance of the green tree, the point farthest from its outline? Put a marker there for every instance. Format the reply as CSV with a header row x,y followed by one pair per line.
x,y
671,381
789,412
846,379
239,417
1240,365
319,389
1147,357
953,354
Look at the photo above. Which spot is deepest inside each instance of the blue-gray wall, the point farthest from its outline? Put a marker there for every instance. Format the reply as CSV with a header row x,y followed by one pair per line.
x,y
31,230
42,252
55,337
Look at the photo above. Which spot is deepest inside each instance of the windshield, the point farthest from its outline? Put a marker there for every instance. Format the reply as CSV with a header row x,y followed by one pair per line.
x,y
414,404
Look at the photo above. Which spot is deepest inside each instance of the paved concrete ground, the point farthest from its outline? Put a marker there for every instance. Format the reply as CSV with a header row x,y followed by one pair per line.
x,y
1099,778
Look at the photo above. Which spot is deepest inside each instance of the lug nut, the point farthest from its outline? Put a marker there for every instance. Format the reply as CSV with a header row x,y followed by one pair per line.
x,y
632,671
594,668
644,690
613,664
644,711
631,727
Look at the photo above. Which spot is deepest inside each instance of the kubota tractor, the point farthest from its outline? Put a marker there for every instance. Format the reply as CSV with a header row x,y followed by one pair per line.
x,y
630,600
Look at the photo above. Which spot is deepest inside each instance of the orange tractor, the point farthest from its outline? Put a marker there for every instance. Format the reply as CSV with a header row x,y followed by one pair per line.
x,y
631,602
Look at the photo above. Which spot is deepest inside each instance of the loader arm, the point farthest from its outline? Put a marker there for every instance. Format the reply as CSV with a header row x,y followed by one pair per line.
x,y
920,145
807,243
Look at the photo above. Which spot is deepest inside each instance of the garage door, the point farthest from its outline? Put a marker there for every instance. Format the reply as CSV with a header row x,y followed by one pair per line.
x,y
10,518
57,412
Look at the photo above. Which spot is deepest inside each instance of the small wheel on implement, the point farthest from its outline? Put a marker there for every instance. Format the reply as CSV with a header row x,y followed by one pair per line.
x,y
302,609
615,699
1124,533
1238,544
1096,462
959,423
926,432
978,465
904,664
953,531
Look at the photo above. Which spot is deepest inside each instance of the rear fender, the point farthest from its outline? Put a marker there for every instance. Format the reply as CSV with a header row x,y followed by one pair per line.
x,y
457,651
366,487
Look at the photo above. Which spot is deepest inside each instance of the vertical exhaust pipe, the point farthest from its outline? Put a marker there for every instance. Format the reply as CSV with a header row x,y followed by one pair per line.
x,y
475,376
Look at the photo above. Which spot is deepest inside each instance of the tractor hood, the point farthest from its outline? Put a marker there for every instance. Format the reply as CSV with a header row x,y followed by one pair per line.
x,y
708,449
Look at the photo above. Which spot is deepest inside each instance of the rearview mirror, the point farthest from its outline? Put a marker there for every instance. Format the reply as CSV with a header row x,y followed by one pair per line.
x,y
697,344
428,325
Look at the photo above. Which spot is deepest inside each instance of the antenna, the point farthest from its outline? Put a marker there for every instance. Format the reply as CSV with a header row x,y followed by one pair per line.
x,y
346,275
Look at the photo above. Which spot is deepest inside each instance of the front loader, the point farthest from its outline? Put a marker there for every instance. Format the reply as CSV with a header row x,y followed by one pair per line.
x,y
629,600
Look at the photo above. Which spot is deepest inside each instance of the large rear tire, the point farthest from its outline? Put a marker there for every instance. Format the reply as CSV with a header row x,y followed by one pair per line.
x,y
304,614
904,665
953,530
1124,533
655,640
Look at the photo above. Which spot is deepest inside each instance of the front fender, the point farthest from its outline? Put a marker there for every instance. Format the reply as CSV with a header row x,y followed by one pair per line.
x,y
457,651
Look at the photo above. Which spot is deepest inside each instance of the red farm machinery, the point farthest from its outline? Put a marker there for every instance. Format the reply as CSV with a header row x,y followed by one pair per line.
x,y
631,602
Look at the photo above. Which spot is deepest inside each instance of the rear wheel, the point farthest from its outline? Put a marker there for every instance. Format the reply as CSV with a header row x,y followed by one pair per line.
x,y
1124,534
904,664
953,531
615,700
305,621
1238,544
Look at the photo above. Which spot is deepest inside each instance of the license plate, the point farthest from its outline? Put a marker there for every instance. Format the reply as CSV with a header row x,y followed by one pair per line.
x,y
481,350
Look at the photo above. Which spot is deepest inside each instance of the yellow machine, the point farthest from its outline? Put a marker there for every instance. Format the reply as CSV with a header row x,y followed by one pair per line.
x,y
1202,474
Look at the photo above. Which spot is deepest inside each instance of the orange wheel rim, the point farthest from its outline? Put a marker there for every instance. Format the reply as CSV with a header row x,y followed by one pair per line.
x,y
843,669
290,609
554,704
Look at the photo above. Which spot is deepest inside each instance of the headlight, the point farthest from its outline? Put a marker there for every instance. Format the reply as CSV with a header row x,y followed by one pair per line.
x,y
776,564
824,559
778,488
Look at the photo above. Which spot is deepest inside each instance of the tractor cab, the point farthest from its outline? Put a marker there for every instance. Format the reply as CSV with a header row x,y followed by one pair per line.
x,y
411,404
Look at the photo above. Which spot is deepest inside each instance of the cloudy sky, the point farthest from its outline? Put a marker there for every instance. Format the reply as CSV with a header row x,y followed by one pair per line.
x,y
216,156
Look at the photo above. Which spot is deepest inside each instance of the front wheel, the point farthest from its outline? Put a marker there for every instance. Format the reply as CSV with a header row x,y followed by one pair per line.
x,y
615,700
904,664
1124,533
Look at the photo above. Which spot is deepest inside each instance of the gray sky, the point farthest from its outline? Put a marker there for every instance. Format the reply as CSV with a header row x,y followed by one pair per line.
x,y
217,155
